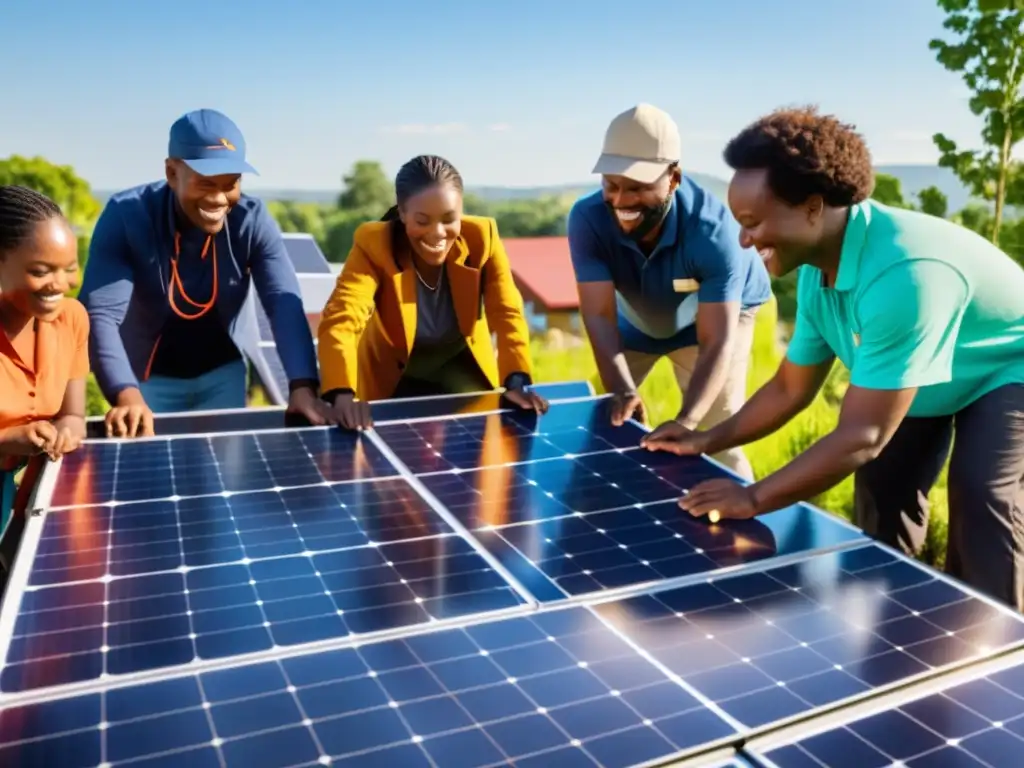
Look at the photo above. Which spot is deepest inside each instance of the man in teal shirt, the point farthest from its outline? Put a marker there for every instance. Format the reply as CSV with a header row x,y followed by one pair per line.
x,y
929,319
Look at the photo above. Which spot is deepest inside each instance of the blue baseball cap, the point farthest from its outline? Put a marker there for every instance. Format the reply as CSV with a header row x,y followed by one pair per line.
x,y
209,143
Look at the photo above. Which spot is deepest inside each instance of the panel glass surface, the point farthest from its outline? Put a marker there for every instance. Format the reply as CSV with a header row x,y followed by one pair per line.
x,y
306,255
552,689
520,436
780,643
121,471
972,725
275,367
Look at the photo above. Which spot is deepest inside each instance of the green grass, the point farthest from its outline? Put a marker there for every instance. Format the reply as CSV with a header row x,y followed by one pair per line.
x,y
662,399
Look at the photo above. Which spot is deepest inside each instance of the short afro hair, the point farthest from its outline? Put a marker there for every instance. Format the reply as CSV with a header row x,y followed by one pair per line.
x,y
805,154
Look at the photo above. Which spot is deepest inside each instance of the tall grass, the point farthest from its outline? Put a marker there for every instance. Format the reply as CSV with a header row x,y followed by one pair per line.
x,y
662,399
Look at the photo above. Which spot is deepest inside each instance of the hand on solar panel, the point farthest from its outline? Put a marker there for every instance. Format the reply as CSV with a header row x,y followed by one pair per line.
x,y
351,413
673,437
626,405
720,498
528,401
27,439
130,416
70,431
303,401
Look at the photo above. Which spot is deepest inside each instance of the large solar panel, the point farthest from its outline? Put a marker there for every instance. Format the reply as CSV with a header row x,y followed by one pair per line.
x,y
462,585
780,643
977,722
305,254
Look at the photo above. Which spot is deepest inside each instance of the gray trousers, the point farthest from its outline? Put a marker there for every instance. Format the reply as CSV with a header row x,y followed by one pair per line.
x,y
986,491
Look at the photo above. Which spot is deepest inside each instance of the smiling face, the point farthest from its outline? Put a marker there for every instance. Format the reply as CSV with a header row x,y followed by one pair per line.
x,y
639,208
204,200
35,276
785,235
433,221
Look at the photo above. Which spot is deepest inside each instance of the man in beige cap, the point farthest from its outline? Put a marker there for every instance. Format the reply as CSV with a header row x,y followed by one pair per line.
x,y
660,272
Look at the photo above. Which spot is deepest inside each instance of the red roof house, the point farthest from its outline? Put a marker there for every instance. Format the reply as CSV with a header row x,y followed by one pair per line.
x,y
543,271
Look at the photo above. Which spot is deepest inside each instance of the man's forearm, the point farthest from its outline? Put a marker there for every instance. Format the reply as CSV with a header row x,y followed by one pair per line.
x,y
770,409
608,354
705,385
820,467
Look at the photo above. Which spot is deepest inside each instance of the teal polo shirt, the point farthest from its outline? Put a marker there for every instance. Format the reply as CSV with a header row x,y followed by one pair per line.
x,y
918,302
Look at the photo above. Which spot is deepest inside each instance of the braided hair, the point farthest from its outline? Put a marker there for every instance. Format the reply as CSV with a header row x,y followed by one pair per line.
x,y
21,210
419,173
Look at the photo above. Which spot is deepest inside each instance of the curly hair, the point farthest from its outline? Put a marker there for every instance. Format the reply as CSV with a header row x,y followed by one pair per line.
x,y
805,154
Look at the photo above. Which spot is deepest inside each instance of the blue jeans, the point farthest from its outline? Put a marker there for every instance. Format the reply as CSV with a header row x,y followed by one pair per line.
x,y
221,388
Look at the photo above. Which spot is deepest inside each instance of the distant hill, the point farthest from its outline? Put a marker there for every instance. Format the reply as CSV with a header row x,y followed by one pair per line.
x,y
913,179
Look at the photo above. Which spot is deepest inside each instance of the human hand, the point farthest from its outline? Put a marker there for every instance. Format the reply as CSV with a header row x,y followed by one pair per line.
x,y
626,405
527,400
70,433
673,437
303,401
130,416
34,437
351,413
720,498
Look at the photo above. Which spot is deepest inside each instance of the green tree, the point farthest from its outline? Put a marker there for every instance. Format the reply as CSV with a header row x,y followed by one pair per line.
x,y
367,188
933,201
888,191
988,52
60,183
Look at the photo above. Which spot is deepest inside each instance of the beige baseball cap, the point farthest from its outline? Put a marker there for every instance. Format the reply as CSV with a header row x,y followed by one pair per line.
x,y
640,144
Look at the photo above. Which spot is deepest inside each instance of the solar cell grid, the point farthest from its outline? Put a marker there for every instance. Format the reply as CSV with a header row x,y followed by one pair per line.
x,y
976,723
103,472
780,643
548,689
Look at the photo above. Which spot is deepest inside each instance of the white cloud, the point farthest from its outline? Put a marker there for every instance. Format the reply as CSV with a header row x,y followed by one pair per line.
x,y
500,127
419,129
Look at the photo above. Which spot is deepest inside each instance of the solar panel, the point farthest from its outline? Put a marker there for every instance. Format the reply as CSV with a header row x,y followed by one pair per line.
x,y
555,688
462,585
120,471
304,252
979,722
275,369
780,643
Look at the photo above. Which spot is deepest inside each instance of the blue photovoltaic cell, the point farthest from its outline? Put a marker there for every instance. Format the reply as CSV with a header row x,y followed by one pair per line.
x,y
305,254
102,472
170,618
604,550
552,689
275,367
770,645
263,322
978,723
519,436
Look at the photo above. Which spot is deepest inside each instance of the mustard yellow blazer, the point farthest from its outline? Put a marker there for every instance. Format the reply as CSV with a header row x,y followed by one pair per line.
x,y
368,326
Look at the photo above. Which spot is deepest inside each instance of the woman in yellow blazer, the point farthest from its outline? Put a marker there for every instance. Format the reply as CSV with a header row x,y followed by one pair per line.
x,y
414,307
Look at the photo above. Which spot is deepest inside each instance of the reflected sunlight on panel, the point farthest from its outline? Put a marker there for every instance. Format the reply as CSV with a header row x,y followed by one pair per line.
x,y
498,449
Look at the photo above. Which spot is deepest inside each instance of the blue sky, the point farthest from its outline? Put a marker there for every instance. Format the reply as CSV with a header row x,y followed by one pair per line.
x,y
514,93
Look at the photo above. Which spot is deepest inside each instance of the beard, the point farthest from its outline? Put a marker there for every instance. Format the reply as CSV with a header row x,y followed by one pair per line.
x,y
651,217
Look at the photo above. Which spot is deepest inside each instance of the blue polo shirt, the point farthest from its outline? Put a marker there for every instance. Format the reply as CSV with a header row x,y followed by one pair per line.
x,y
918,302
698,258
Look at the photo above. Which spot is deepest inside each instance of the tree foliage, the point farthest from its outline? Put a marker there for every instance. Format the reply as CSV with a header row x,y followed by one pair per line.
x,y
58,182
987,50
933,201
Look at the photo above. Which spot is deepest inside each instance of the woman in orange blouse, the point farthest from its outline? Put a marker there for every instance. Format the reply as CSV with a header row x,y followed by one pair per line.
x,y
415,306
44,345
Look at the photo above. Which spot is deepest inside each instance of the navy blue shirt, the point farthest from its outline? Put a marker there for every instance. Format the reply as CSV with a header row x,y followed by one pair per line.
x,y
698,258
126,282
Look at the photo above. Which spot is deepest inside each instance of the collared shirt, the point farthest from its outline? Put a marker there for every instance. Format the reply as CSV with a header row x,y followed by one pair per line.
x,y
918,302
36,392
698,258
125,286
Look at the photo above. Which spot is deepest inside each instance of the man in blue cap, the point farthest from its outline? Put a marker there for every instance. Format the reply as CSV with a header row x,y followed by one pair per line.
x,y
167,284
